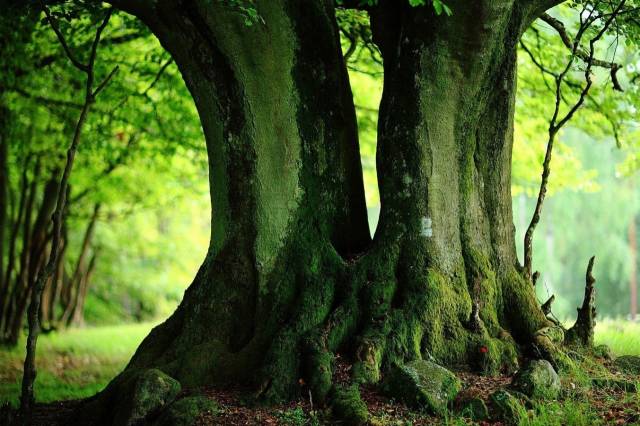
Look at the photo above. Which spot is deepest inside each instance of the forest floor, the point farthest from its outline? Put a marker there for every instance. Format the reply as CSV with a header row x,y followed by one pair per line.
x,y
78,363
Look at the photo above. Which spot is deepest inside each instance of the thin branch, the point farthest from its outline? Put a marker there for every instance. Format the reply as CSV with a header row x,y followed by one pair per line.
x,y
159,74
105,81
557,25
72,57
556,124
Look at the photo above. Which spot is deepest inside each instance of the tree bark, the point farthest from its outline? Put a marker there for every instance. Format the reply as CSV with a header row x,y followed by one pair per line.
x,y
4,184
291,276
633,276
78,279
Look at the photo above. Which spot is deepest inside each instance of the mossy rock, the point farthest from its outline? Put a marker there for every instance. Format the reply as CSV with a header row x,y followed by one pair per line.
x,y
348,406
423,384
629,364
185,411
508,408
150,391
537,380
603,351
475,409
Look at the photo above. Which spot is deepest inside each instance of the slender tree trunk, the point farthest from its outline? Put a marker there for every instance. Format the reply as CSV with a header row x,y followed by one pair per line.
x,y
11,255
77,318
37,251
633,279
78,278
20,283
4,184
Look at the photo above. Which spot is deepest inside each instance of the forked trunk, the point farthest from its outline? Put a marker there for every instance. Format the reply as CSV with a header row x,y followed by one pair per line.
x,y
291,276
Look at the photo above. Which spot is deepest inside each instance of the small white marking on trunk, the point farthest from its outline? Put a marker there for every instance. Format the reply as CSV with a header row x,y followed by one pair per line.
x,y
425,227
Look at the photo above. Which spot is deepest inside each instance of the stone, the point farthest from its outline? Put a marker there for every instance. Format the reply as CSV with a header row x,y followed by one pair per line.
x,y
148,392
348,407
185,411
603,351
537,380
422,384
475,409
629,364
508,408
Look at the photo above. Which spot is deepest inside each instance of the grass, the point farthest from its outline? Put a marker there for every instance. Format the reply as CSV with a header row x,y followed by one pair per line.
x,y
78,363
73,364
623,337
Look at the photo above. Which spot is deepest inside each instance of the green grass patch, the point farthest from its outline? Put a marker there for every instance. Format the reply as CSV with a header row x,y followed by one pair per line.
x,y
623,337
72,364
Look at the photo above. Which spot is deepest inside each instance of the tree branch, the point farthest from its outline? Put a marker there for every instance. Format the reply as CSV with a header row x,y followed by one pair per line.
x,y
557,25
556,124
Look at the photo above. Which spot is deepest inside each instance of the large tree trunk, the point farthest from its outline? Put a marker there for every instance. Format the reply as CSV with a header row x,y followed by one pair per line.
x,y
291,276
444,165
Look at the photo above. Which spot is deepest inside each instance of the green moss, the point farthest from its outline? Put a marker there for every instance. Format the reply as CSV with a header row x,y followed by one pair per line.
x,y
492,356
146,393
369,355
475,409
508,408
538,380
630,364
185,411
522,311
443,308
319,368
348,407
483,287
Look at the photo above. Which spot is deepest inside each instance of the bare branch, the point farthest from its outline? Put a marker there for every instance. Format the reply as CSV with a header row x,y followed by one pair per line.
x,y
557,25
72,57
556,124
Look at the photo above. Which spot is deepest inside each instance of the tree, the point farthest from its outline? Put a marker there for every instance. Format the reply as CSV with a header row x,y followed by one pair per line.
x,y
292,276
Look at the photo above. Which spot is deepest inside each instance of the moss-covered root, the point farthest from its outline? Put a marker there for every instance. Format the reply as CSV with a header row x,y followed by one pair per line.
x,y
348,407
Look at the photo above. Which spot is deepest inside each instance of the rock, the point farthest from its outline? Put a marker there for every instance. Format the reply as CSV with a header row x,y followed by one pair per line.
x,y
537,379
148,392
629,364
508,407
423,384
348,407
603,351
185,411
475,409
